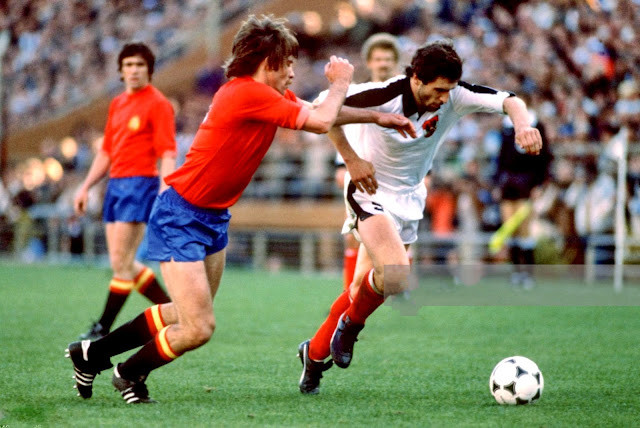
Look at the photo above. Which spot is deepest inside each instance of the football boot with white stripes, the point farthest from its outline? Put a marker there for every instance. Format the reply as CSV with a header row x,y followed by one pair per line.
x,y
133,392
85,370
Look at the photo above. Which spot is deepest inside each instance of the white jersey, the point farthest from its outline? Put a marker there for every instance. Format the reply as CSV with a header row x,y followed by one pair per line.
x,y
402,163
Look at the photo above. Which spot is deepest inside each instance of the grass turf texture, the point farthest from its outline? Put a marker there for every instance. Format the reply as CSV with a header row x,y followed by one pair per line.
x,y
431,369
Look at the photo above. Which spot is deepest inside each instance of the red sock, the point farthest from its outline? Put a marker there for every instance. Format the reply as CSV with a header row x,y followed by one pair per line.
x,y
349,266
366,301
319,348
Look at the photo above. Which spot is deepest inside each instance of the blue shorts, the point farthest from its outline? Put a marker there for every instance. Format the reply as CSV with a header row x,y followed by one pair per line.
x,y
129,199
183,232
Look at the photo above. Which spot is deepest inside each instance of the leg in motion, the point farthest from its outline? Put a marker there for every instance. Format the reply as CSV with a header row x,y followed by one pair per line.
x,y
123,239
385,248
90,358
311,370
192,286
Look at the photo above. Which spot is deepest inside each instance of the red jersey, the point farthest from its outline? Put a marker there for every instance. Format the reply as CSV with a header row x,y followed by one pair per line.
x,y
140,129
232,140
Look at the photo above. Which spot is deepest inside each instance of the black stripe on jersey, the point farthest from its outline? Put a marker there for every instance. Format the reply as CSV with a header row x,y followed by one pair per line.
x,y
378,96
479,89
362,214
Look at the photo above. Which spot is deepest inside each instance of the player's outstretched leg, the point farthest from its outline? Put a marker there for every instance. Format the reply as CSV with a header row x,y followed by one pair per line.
x,y
366,301
311,370
344,337
85,369
133,391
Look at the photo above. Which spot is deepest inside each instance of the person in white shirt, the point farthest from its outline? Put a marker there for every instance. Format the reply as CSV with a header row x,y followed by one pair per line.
x,y
381,53
385,192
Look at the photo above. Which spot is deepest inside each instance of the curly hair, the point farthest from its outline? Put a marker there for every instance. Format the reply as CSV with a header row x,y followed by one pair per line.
x,y
436,59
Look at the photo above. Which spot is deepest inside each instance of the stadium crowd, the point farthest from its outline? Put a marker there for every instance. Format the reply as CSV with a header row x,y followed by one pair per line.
x,y
577,63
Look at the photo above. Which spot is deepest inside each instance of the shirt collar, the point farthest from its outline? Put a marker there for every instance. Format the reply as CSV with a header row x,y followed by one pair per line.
x,y
409,106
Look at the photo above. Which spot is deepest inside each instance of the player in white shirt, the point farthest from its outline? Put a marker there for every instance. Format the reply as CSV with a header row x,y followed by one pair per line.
x,y
385,209
381,54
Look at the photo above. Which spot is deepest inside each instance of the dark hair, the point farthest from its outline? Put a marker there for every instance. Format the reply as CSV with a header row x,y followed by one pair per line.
x,y
380,41
437,59
133,49
257,39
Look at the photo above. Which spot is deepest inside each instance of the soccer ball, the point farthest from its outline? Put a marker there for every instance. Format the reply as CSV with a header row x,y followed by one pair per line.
x,y
516,380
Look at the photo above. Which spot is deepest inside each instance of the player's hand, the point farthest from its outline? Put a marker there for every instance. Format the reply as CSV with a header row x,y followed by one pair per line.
x,y
338,69
362,175
80,202
529,140
398,122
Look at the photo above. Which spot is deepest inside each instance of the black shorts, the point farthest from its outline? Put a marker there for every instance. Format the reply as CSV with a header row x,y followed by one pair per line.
x,y
517,186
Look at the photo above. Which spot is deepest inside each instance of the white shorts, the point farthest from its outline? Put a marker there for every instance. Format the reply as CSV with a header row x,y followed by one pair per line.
x,y
405,209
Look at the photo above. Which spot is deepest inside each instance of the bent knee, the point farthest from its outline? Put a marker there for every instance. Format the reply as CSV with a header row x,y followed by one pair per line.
x,y
200,334
122,266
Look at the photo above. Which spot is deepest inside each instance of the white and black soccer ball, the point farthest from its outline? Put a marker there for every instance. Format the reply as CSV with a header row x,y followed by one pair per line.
x,y
516,380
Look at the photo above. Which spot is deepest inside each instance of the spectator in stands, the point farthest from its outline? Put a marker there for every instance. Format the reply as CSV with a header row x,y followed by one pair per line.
x,y
633,181
441,209
583,175
594,212
140,131
470,188
189,222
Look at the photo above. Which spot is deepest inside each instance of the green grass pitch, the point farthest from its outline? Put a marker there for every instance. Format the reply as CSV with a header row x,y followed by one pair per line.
x,y
428,369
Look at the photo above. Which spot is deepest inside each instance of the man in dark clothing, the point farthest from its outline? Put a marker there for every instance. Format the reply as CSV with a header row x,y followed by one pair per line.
x,y
517,175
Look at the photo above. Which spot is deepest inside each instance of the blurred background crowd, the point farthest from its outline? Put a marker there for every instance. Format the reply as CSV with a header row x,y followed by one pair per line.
x,y
576,63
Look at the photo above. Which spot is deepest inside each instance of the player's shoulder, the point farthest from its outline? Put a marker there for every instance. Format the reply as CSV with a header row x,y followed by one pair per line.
x,y
464,86
156,93
156,100
121,97
392,84
245,88
371,94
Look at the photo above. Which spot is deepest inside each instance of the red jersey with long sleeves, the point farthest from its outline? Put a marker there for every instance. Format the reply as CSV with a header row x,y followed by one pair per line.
x,y
140,129
232,140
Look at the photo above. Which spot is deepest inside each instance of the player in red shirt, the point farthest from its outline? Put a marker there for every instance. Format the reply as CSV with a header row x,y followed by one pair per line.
x,y
140,130
189,221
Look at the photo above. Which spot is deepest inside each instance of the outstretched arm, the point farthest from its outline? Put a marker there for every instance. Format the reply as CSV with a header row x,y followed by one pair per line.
x,y
388,120
527,137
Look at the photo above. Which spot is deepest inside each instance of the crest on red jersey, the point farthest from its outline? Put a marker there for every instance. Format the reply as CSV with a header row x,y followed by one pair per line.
x,y
134,123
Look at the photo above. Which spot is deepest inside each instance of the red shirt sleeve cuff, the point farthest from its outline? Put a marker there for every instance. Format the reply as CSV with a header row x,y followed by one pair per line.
x,y
302,117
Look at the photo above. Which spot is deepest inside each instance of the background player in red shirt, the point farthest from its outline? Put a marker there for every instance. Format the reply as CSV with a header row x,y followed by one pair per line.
x,y
140,130
189,221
